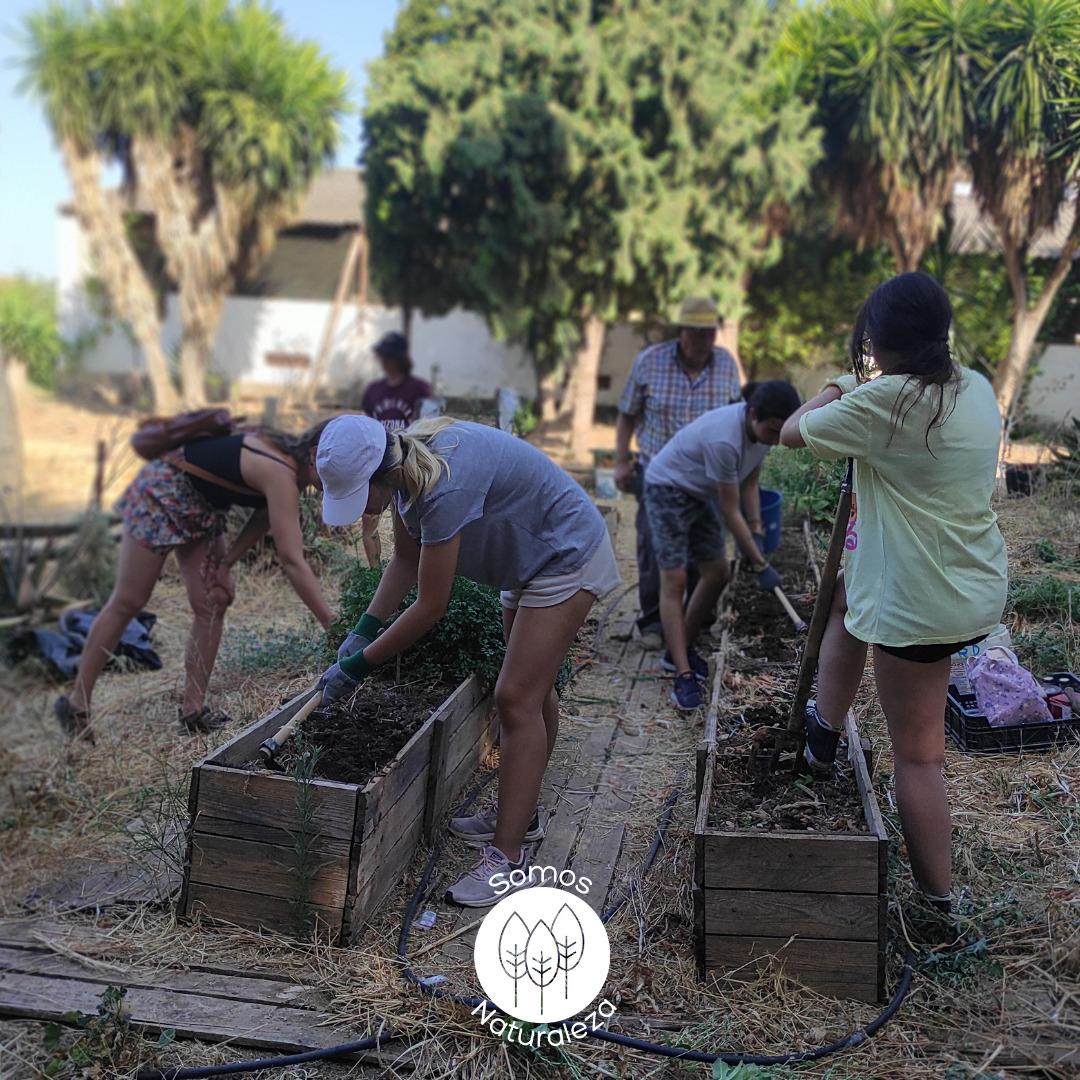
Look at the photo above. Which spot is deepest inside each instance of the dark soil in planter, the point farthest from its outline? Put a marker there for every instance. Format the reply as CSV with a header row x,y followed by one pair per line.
x,y
779,800
762,630
360,738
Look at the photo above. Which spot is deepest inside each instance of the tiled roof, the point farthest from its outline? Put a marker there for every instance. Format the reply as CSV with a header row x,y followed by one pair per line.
x,y
335,197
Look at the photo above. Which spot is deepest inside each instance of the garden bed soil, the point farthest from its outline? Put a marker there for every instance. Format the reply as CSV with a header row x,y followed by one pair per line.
x,y
760,629
357,739
779,800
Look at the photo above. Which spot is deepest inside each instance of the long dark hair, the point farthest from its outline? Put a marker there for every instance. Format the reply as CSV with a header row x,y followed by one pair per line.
x,y
297,447
909,315
774,399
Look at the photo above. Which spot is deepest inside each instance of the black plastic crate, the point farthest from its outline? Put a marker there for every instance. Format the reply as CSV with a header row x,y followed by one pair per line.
x,y
971,731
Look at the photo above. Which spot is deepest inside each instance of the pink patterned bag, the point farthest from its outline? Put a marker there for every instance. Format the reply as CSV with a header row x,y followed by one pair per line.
x,y
1006,693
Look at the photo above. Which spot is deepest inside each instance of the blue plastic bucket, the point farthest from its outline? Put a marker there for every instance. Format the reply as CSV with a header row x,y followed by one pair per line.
x,y
770,518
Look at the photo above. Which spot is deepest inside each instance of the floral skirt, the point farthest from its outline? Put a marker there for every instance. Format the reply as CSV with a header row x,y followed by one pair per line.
x,y
161,509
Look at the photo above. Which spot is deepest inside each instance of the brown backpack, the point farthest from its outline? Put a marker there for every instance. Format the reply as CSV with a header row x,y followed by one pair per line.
x,y
160,434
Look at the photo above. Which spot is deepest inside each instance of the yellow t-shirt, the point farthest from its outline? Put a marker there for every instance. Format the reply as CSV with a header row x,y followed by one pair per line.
x,y
925,563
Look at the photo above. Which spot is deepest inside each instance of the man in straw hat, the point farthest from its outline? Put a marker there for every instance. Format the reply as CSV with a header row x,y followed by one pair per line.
x,y
669,385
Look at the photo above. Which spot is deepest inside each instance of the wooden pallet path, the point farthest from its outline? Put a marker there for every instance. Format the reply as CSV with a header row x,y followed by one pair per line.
x,y
219,1005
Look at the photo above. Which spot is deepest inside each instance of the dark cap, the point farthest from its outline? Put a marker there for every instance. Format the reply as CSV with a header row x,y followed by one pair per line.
x,y
392,345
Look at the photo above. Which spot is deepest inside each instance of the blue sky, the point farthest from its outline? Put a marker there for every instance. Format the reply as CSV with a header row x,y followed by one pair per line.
x,y
32,178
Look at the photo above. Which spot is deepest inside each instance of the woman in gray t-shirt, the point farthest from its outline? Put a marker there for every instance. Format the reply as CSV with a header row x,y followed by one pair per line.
x,y
475,501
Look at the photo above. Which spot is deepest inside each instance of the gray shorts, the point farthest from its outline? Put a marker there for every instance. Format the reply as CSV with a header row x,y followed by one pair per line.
x,y
599,575
683,527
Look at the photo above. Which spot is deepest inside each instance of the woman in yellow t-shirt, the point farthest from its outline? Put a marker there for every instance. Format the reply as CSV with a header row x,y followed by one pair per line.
x,y
925,565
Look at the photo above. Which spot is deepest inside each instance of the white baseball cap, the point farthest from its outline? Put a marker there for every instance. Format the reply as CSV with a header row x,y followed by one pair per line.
x,y
351,448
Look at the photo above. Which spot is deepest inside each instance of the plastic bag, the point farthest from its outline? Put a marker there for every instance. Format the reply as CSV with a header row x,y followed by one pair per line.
x,y
1006,693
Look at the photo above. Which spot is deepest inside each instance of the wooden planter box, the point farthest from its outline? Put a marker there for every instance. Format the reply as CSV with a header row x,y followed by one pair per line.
x,y
813,901
241,863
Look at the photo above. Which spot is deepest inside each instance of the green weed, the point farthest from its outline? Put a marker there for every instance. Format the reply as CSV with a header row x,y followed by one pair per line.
x,y
305,839
273,648
1043,597
1049,648
105,1045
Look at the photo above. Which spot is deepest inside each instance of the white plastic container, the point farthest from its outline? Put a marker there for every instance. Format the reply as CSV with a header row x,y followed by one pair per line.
x,y
958,673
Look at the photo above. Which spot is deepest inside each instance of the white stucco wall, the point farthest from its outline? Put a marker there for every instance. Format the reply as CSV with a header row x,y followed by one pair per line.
x,y
1054,393
470,360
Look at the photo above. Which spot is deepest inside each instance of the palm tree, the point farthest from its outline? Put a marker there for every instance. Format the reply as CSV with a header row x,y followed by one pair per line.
x,y
890,80
1027,113
217,119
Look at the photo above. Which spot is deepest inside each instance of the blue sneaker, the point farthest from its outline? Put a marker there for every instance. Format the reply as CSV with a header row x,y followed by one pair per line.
x,y
698,664
821,740
686,693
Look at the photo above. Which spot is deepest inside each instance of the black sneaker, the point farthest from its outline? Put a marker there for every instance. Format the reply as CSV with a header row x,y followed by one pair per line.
x,y
821,740
74,724
698,664
686,693
203,721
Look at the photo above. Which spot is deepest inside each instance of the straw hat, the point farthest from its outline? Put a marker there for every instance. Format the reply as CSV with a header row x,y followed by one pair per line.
x,y
698,313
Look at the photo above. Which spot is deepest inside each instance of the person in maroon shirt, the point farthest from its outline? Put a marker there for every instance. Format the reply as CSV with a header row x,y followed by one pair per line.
x,y
393,400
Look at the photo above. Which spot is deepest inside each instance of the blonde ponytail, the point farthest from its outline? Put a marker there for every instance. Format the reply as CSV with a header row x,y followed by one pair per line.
x,y
420,466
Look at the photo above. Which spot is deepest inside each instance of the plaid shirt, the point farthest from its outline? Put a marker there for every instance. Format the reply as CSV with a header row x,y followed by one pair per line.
x,y
661,398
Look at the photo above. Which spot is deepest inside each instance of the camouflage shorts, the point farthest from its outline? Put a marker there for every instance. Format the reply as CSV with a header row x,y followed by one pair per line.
x,y
682,527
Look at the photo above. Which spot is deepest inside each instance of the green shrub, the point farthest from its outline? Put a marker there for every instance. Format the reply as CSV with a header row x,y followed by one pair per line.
x,y
809,485
28,329
467,640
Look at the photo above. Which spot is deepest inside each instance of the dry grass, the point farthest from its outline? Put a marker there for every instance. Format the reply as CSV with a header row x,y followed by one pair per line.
x,y
974,1011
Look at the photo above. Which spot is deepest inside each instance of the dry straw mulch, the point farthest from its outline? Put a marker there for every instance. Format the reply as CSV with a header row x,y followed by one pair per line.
x,y
977,1008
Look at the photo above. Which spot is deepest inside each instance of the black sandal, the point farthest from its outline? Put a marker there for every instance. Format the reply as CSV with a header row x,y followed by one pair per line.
x,y
74,724
203,721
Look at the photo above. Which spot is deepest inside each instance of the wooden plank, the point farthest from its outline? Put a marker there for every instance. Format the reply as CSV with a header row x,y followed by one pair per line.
x,y
193,813
231,987
261,798
602,832
874,821
244,747
462,743
381,869
459,743
847,917
697,886
189,1015
265,868
791,862
256,911
865,784
326,846
402,814
844,969
382,792
580,786
456,782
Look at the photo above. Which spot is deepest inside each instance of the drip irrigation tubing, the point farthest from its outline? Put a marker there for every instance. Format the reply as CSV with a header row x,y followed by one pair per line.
x,y
849,1041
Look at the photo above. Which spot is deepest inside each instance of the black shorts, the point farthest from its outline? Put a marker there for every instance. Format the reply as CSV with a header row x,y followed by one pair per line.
x,y
927,654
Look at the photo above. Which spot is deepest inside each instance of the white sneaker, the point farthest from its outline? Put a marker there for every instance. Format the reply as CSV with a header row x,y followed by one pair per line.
x,y
474,888
479,829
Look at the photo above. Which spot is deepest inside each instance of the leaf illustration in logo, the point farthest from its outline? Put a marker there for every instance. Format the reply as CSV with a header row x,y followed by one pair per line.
x,y
513,942
569,942
543,957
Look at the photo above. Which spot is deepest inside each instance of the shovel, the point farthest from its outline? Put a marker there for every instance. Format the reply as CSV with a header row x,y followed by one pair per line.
x,y
270,748
772,741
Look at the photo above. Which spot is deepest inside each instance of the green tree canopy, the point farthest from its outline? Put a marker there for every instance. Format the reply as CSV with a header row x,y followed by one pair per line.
x,y
218,119
555,165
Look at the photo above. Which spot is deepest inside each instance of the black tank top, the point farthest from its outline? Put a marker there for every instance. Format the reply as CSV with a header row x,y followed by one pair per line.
x,y
220,455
